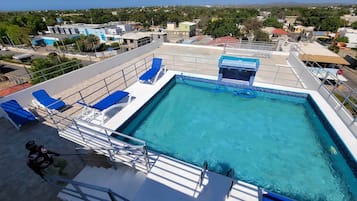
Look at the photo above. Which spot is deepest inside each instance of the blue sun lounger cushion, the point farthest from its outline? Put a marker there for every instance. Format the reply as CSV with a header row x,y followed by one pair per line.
x,y
46,101
105,105
149,75
16,114
110,100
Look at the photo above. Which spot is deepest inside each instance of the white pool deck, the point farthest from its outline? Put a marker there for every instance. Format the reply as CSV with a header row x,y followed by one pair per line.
x,y
170,179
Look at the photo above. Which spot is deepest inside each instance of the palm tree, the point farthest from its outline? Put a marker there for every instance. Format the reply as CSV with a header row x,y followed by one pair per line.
x,y
89,43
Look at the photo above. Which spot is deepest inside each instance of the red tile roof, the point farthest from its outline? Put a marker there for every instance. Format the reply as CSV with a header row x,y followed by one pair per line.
x,y
280,32
10,90
223,40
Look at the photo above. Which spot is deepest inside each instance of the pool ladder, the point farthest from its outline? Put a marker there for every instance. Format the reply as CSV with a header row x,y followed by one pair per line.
x,y
203,172
230,173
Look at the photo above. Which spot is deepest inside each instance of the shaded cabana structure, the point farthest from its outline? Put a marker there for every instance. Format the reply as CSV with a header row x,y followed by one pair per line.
x,y
237,69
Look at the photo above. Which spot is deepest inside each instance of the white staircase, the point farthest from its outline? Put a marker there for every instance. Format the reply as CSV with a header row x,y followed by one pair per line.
x,y
123,181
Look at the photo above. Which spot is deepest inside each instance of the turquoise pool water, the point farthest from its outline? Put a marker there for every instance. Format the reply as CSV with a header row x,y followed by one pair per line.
x,y
49,42
274,141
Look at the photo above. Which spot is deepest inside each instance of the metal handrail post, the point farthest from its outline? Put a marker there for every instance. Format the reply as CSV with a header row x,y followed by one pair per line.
x,y
106,85
136,71
43,76
108,138
80,132
203,171
230,189
111,196
260,194
80,192
230,174
147,161
51,117
126,84
80,94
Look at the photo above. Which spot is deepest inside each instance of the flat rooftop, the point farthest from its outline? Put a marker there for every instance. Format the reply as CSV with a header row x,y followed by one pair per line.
x,y
275,71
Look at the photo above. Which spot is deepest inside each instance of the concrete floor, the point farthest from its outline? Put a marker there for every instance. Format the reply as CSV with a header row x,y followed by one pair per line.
x,y
17,181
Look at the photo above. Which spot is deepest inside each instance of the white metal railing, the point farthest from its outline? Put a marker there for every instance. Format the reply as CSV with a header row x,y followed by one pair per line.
x,y
118,147
72,127
42,75
284,75
340,96
70,80
256,45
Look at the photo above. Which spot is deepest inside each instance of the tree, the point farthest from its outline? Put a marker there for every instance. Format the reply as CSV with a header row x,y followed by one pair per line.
x,y
3,33
222,27
88,43
50,67
260,35
354,25
252,24
272,22
35,24
342,39
331,24
18,35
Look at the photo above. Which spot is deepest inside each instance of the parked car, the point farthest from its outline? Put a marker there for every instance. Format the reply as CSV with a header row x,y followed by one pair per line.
x,y
4,49
352,61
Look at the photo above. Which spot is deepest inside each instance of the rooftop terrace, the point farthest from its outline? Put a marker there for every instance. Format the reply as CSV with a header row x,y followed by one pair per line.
x,y
278,69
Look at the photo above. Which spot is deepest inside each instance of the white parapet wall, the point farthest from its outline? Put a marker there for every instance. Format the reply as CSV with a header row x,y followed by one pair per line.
x,y
66,81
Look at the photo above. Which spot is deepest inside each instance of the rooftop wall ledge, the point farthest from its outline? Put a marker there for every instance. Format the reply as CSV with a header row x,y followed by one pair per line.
x,y
69,80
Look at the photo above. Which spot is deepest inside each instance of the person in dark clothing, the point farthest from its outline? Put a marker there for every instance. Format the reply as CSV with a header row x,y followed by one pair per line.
x,y
41,160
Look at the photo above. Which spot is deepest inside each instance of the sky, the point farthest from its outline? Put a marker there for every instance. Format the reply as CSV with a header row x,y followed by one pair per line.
x,y
19,5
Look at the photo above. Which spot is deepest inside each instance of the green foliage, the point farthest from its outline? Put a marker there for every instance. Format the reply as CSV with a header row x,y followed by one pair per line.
x,y
88,43
323,18
6,57
342,39
66,41
50,67
334,48
331,24
114,45
251,25
354,25
272,22
222,27
260,35
348,104
18,35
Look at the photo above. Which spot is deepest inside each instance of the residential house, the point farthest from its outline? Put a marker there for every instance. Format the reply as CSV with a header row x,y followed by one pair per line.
x,y
351,34
184,30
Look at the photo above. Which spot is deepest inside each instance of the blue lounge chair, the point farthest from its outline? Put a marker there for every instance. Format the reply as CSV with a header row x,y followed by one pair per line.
x,y
16,114
44,100
103,106
152,74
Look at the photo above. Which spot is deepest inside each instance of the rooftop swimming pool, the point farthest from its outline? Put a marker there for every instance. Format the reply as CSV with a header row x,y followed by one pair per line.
x,y
279,141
